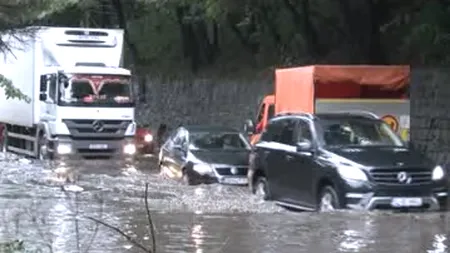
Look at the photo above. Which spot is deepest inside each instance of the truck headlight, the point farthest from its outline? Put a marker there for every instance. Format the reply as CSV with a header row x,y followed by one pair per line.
x,y
148,138
352,173
64,148
202,168
129,149
438,173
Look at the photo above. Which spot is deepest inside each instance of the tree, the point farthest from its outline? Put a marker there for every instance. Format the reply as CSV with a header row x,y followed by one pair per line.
x,y
14,17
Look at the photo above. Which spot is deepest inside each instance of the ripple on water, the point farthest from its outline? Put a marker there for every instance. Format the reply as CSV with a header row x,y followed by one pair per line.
x,y
201,219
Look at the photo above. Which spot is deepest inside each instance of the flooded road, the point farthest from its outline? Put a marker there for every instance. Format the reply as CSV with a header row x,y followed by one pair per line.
x,y
38,208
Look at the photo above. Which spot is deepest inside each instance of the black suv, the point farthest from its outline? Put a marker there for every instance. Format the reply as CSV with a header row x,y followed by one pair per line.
x,y
342,160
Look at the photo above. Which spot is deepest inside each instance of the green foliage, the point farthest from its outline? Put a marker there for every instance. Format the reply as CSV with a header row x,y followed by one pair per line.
x,y
14,246
178,35
12,92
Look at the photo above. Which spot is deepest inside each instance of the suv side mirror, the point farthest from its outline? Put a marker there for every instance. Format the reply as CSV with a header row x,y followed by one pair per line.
x,y
249,127
63,79
304,146
43,97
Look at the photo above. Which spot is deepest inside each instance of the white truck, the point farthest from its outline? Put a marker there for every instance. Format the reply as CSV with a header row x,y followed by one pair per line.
x,y
80,98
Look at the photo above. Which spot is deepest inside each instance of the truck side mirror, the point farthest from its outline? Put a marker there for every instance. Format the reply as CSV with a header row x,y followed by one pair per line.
x,y
249,127
43,97
43,83
63,79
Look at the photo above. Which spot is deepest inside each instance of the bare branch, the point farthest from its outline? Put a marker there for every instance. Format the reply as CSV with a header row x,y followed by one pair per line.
x,y
94,234
150,221
151,228
129,238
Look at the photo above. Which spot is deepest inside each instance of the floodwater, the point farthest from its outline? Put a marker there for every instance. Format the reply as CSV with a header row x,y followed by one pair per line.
x,y
52,216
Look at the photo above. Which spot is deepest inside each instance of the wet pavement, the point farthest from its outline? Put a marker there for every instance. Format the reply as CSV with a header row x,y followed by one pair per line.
x,y
38,207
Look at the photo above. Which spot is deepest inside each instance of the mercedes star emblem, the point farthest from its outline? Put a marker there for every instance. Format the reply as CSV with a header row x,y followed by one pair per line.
x,y
98,126
234,171
403,178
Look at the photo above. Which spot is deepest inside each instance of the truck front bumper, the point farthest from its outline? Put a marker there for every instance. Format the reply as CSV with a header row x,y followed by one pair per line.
x,y
122,149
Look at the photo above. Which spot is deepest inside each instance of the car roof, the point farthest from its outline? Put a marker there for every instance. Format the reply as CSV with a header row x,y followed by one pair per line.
x,y
209,128
330,116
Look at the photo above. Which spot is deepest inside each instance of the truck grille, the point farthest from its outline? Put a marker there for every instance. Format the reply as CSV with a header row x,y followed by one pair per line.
x,y
228,171
391,176
97,129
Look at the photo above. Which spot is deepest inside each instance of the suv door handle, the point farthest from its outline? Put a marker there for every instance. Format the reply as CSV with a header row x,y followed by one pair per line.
x,y
289,157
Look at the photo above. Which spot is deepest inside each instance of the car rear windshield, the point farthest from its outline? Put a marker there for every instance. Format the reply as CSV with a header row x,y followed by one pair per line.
x,y
356,132
216,140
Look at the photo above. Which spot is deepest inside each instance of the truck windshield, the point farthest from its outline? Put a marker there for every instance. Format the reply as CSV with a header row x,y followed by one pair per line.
x,y
98,91
357,132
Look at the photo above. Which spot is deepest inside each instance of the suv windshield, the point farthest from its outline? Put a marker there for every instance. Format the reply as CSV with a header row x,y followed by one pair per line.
x,y
347,131
97,90
206,140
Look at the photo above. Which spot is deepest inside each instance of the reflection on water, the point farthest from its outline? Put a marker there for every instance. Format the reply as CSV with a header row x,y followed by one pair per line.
x,y
357,235
439,245
197,235
60,227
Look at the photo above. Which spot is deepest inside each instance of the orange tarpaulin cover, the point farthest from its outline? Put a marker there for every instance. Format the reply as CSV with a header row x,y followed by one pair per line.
x,y
297,88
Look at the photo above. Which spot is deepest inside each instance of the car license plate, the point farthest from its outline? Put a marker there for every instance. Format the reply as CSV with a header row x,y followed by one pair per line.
x,y
87,37
98,146
406,202
235,180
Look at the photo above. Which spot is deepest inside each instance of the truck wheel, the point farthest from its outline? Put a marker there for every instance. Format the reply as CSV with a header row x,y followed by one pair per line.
x,y
328,199
43,153
4,142
187,179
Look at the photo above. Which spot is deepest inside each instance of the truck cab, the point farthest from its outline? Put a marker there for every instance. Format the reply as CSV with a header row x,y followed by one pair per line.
x,y
265,112
87,111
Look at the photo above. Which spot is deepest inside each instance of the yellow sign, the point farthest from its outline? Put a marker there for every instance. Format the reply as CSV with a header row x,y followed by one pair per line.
x,y
391,121
405,134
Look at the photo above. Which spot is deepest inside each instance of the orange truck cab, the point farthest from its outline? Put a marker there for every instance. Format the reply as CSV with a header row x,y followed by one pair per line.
x,y
377,89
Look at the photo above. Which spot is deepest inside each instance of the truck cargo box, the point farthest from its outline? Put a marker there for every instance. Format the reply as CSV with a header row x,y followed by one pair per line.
x,y
296,89
18,66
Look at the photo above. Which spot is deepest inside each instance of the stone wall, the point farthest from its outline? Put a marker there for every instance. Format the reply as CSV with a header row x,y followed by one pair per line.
x,y
230,102
207,101
430,112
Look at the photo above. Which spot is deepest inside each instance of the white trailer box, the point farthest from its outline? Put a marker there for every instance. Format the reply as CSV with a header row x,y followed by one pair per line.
x,y
18,65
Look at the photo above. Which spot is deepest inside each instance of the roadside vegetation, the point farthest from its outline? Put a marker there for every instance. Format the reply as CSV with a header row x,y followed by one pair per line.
x,y
234,37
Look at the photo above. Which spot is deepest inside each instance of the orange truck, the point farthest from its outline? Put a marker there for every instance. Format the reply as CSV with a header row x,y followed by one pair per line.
x,y
378,89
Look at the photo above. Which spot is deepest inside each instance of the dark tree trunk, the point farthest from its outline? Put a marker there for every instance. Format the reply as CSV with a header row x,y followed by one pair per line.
x,y
134,54
304,22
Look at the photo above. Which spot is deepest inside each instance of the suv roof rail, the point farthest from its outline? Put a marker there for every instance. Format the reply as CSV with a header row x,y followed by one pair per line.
x,y
305,114
359,113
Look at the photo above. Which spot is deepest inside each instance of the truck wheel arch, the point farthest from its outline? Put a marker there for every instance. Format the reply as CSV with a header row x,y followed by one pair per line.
x,y
42,130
